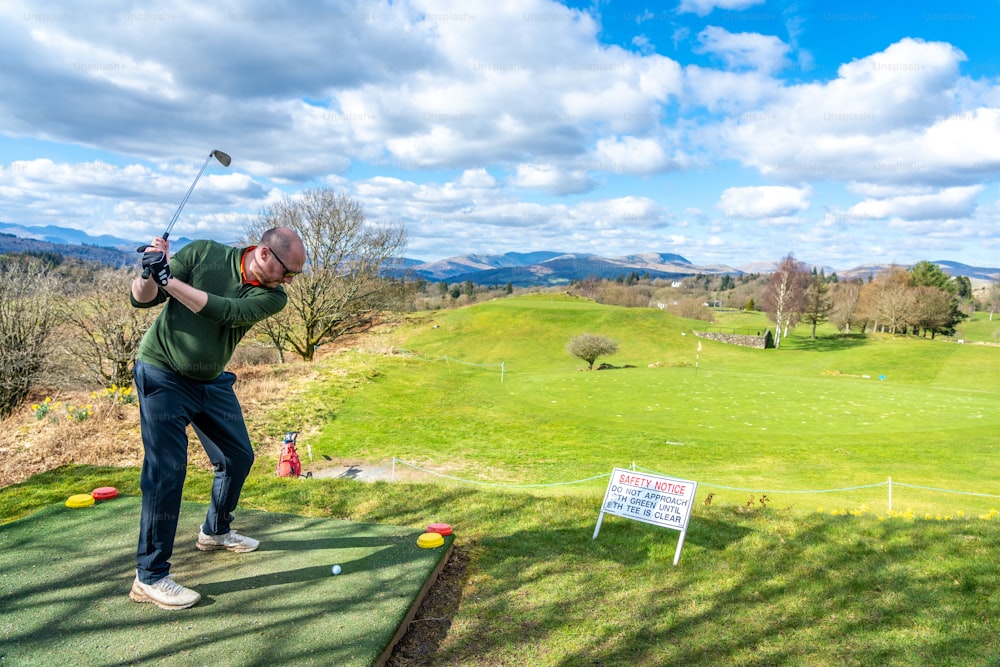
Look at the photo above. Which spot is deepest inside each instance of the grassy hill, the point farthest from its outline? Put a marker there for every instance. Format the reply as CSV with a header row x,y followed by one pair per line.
x,y
794,560
489,392
979,328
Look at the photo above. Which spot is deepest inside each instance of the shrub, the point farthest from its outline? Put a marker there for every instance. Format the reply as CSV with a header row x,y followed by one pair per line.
x,y
27,318
591,346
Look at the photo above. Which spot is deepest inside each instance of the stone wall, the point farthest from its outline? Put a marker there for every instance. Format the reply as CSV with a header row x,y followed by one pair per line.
x,y
762,342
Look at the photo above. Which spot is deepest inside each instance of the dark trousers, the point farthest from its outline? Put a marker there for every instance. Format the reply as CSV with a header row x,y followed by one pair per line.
x,y
168,402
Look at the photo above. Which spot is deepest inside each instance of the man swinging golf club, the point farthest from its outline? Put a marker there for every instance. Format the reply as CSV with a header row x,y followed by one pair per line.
x,y
213,293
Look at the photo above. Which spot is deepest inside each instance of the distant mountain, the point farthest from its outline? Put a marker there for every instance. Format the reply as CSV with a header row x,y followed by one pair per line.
x,y
972,272
448,269
68,236
403,265
65,235
522,269
553,268
110,256
866,271
759,267
652,259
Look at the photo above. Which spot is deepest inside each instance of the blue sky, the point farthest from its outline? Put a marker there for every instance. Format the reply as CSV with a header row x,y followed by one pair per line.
x,y
726,131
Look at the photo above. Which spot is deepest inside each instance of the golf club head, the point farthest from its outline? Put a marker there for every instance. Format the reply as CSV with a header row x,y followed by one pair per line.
x,y
223,158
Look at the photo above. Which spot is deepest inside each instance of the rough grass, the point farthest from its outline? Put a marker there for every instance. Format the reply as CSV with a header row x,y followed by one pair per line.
x,y
110,436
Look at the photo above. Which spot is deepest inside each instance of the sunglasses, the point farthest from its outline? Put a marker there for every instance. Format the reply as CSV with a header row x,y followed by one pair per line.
x,y
288,272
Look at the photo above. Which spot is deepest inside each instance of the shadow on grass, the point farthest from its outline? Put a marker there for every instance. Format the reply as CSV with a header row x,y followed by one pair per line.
x,y
767,587
764,587
65,576
827,592
835,343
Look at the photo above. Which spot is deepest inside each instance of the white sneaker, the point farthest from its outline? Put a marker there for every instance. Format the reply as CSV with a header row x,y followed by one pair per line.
x,y
231,541
165,594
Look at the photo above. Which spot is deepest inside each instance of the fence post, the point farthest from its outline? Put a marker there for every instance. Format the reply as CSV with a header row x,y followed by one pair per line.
x,y
392,478
890,493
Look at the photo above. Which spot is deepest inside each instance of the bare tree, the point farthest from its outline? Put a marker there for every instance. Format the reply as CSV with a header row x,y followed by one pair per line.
x,y
887,300
932,311
28,317
591,346
846,302
106,329
692,309
278,329
341,291
783,296
993,299
618,294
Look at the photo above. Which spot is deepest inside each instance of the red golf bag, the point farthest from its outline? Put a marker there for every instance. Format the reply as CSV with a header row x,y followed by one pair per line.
x,y
289,464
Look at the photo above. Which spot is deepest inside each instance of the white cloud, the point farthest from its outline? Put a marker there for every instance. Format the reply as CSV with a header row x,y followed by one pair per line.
x,y
477,178
765,201
884,119
642,43
705,7
631,155
640,212
957,202
734,93
965,142
744,50
552,179
119,69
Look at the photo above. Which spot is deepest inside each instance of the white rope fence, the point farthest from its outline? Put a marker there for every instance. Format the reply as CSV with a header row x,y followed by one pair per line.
x,y
888,483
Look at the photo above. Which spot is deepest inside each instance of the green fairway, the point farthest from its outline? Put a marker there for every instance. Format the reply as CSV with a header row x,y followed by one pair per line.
x,y
980,328
822,414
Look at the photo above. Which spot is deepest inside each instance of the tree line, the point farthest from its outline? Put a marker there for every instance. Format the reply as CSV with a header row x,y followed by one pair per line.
x,y
922,300
919,300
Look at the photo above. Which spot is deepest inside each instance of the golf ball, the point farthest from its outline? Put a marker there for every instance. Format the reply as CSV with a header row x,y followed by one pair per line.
x,y
336,569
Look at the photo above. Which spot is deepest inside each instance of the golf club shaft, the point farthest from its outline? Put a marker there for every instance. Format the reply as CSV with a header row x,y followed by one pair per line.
x,y
187,196
224,159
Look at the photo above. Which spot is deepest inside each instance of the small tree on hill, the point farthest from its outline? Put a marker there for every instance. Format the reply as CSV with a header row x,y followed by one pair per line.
x,y
591,346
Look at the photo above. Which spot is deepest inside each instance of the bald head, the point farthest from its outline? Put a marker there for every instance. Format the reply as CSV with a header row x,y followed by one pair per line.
x,y
285,241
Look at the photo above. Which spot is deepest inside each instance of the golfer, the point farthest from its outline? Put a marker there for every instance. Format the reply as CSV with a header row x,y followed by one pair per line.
x,y
213,293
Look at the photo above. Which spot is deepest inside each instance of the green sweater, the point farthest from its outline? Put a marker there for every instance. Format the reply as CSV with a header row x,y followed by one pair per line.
x,y
199,345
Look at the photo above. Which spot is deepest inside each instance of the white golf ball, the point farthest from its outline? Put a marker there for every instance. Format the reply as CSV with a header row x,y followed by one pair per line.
x,y
336,569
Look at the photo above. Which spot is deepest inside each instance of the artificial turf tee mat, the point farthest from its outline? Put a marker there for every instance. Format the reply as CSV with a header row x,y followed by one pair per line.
x,y
65,575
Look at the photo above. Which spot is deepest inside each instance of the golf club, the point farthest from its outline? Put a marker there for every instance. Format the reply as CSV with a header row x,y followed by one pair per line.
x,y
224,160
